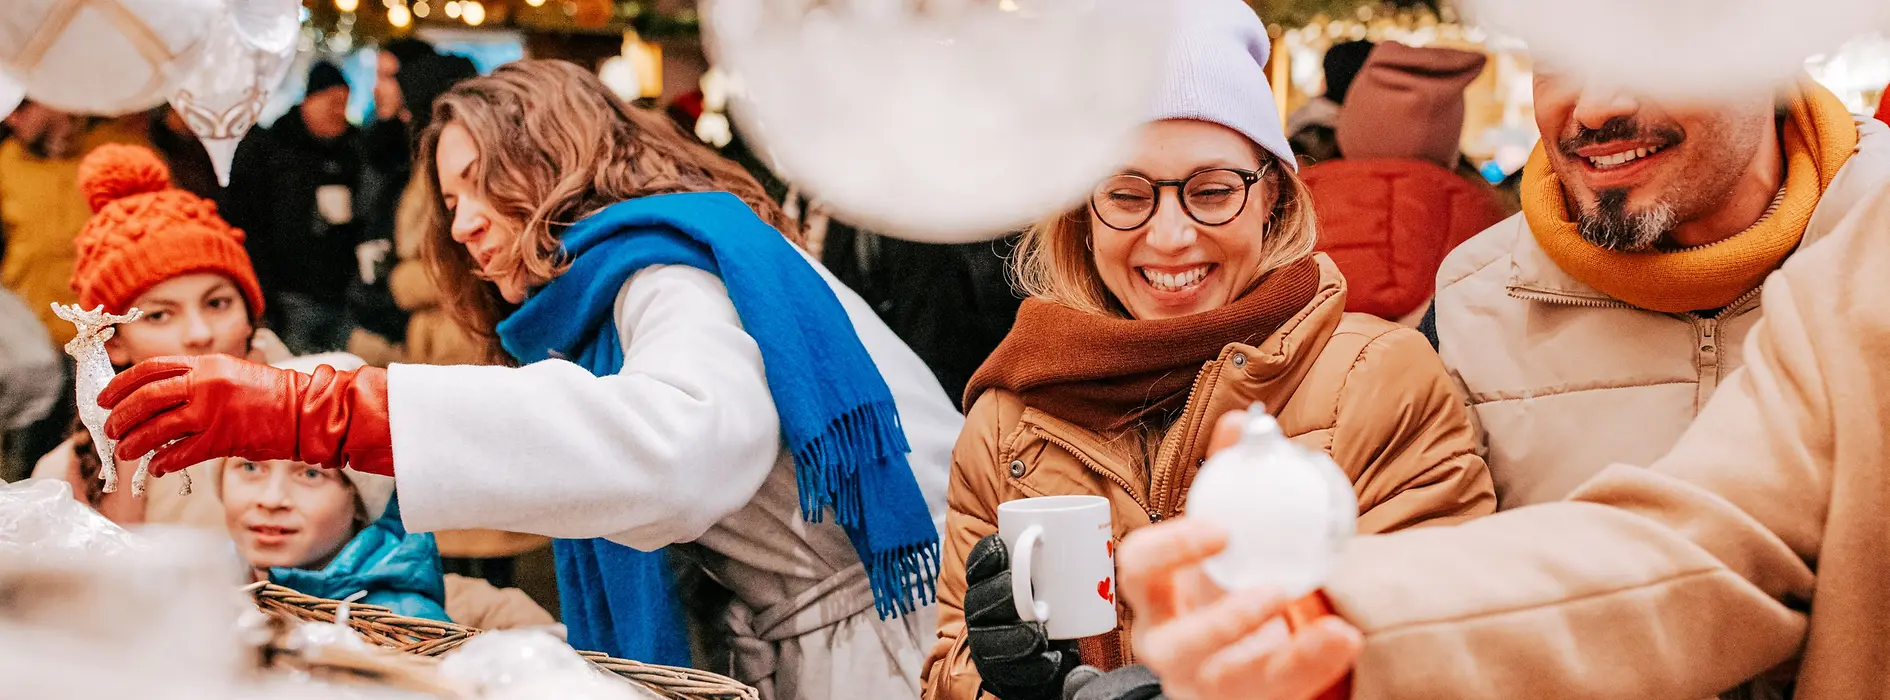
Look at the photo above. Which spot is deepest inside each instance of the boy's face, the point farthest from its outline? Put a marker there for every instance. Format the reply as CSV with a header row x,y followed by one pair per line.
x,y
199,314
287,514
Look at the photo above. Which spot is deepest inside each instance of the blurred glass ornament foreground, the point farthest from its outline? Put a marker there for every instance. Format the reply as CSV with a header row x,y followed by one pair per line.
x,y
959,121
244,57
103,57
1698,49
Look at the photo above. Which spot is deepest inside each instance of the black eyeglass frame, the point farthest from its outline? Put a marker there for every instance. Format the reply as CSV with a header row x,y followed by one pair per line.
x,y
1249,177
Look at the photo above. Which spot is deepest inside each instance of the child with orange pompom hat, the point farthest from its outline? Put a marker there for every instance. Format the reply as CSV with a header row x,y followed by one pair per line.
x,y
166,252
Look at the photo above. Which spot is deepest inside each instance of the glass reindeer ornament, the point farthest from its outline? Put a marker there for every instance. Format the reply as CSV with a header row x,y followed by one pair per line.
x,y
94,372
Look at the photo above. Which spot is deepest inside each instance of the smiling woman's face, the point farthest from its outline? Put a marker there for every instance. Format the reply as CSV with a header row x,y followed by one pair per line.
x,y
1173,265
475,223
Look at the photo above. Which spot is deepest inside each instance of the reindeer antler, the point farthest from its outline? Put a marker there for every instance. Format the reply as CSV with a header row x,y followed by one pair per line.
x,y
90,322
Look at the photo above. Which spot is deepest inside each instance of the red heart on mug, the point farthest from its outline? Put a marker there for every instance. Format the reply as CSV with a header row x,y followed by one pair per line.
x,y
1105,590
1112,548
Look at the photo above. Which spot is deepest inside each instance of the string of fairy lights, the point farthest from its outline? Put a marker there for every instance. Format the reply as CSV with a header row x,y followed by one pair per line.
x,y
359,16
401,14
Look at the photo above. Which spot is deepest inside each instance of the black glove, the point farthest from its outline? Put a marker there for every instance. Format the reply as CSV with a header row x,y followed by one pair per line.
x,y
1128,683
1017,659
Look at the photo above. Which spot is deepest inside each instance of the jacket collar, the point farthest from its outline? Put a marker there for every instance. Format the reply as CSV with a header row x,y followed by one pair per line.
x,y
1532,270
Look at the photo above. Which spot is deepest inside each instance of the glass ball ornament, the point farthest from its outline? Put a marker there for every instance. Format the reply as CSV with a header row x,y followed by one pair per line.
x,y
1288,511
102,57
245,57
1680,50
957,122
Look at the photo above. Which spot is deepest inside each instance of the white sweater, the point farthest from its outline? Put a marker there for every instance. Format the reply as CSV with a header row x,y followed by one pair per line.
x,y
654,455
675,448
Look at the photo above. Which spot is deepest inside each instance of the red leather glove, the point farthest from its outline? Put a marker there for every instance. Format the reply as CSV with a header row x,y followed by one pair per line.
x,y
1304,611
220,406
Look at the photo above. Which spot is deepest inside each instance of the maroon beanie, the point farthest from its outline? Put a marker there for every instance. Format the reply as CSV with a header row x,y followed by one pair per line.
x,y
1407,102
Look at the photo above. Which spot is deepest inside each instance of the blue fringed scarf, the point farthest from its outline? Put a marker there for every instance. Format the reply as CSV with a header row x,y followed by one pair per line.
x,y
837,415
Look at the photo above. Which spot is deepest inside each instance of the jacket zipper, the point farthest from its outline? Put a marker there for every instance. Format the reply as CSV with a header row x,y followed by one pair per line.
x,y
1738,305
1709,341
1092,465
1162,490
1553,298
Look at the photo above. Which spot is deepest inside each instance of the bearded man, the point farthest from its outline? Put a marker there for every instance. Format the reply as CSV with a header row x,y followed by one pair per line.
x,y
1591,328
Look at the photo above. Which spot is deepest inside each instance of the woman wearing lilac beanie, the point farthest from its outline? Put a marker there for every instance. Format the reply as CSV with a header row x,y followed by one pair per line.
x,y
1182,306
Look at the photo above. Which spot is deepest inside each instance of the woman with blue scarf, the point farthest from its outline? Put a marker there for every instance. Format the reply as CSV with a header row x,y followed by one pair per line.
x,y
688,389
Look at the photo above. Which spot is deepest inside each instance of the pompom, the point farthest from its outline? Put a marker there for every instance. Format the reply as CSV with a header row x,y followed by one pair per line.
x,y
116,171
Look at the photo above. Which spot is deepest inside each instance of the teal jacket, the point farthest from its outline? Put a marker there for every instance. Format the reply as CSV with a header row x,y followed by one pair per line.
x,y
399,571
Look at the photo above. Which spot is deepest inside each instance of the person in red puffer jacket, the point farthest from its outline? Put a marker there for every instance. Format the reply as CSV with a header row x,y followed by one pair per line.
x,y
1396,202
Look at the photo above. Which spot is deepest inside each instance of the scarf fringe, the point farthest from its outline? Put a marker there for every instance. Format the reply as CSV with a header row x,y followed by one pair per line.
x,y
904,579
825,467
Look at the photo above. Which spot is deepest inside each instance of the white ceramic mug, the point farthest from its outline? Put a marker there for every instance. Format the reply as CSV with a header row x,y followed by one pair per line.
x,y
1063,563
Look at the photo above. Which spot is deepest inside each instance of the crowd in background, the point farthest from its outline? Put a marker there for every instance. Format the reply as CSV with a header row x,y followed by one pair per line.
x,y
1454,344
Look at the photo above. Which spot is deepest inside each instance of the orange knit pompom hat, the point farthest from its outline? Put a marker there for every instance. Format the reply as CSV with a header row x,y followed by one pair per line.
x,y
143,232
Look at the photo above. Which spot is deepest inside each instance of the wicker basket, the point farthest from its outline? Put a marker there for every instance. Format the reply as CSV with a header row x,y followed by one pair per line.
x,y
430,638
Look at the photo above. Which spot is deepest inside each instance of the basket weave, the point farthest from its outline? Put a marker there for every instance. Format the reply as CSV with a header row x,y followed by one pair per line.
x,y
432,638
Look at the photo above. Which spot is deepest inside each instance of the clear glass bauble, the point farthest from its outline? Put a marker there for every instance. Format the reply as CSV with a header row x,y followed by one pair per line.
x,y
1681,50
103,57
1288,511
223,93
944,121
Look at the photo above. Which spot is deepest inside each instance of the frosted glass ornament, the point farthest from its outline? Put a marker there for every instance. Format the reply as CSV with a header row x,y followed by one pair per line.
x,y
1288,511
1678,49
104,57
957,124
273,27
268,25
223,94
531,664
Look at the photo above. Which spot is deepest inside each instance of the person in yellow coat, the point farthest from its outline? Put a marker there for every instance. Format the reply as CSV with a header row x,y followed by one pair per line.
x,y
41,209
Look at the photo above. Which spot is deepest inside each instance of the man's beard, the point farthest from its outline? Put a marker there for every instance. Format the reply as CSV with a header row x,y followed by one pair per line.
x,y
1608,223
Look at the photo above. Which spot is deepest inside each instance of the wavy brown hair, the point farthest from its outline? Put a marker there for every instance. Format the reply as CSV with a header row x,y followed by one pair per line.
x,y
555,145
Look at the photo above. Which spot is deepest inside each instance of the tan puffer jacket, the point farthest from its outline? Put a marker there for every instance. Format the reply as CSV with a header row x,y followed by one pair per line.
x,y
474,603
1369,392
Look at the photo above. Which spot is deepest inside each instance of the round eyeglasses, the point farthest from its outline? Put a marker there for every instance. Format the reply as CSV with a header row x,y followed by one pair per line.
x,y
1210,197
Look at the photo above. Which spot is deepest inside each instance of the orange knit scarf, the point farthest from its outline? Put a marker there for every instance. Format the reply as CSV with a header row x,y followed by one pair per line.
x,y
1819,136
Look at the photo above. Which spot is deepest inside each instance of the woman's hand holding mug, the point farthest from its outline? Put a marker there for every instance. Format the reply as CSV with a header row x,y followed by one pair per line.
x,y
1016,658
1210,644
1047,578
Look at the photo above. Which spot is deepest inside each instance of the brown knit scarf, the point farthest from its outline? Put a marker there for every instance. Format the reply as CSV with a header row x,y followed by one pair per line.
x,y
1107,373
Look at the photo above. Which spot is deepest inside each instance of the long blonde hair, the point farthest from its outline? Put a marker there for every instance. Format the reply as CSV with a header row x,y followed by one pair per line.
x,y
555,146
1054,262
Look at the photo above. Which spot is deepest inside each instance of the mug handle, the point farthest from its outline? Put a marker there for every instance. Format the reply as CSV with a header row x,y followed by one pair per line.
x,y
1029,609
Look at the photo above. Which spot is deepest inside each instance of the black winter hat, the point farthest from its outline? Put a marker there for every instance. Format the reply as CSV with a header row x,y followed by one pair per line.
x,y
323,76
